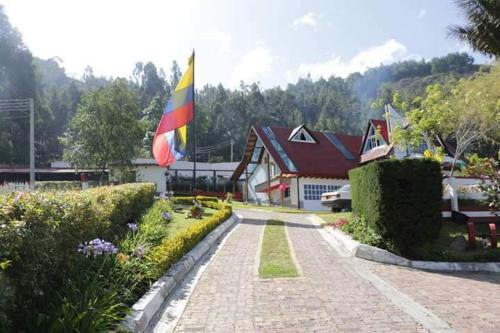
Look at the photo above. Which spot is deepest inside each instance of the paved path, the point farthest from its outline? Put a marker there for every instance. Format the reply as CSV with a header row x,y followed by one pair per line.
x,y
331,295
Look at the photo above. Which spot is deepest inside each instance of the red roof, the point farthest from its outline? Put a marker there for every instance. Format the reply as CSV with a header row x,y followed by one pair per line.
x,y
320,159
383,128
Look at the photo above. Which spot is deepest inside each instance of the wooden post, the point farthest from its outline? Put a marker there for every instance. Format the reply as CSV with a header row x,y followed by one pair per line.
x,y
268,179
246,183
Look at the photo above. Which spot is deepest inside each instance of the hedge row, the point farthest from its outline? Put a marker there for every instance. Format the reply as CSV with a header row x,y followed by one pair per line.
x,y
40,233
400,200
172,249
189,200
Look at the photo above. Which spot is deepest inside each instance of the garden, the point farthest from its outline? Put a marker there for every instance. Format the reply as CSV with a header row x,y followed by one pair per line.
x,y
78,260
397,206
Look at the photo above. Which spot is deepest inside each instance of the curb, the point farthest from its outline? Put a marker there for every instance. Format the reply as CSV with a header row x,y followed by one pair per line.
x,y
146,308
372,253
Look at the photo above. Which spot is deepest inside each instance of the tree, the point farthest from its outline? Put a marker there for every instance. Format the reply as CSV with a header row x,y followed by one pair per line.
x,y
105,129
482,30
465,112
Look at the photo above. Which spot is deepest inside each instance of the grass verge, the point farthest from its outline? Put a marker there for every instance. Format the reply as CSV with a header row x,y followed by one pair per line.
x,y
275,258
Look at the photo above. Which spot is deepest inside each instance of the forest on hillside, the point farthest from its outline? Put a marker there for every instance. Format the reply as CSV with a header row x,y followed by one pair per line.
x,y
336,104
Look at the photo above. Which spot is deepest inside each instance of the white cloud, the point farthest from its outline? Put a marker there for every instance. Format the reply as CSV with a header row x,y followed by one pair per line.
x,y
221,38
253,65
421,13
389,52
309,19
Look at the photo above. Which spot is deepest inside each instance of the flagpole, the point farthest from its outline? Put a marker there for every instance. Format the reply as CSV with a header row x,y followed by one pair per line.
x,y
194,127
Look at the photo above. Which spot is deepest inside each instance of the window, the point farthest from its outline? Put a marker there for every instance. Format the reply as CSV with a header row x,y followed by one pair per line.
x,y
373,140
313,191
287,192
302,136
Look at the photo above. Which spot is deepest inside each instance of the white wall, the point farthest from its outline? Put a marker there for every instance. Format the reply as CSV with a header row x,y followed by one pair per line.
x,y
312,204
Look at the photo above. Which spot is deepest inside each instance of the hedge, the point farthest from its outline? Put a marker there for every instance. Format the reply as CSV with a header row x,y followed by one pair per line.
x,y
400,200
40,233
189,200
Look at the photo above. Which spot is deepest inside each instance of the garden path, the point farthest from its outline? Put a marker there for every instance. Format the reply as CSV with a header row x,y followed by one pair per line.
x,y
334,292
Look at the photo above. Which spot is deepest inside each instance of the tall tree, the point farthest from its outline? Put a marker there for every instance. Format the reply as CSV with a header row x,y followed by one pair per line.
x,y
482,30
105,129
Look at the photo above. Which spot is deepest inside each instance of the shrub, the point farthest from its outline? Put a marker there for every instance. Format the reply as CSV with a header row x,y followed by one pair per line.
x,y
58,185
400,200
40,233
363,232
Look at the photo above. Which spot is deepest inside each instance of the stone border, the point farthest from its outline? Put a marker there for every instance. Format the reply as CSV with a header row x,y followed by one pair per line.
x,y
146,308
356,249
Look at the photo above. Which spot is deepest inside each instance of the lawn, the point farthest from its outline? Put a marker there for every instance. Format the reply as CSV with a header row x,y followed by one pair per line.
x,y
330,218
278,209
275,258
180,223
440,248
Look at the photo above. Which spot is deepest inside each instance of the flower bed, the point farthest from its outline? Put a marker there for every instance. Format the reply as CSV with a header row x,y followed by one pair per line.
x,y
81,269
39,237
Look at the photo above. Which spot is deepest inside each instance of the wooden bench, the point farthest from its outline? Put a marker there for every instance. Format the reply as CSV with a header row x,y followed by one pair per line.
x,y
470,223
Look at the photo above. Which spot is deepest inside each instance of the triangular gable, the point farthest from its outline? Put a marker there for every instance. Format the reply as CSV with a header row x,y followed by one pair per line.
x,y
379,129
301,134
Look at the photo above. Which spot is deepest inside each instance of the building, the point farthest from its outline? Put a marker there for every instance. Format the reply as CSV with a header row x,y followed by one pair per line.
x,y
211,177
293,167
378,144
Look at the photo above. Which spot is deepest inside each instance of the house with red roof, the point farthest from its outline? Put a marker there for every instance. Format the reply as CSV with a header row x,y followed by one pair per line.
x,y
293,167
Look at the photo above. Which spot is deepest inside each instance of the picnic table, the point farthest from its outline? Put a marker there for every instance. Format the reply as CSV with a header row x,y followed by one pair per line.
x,y
471,222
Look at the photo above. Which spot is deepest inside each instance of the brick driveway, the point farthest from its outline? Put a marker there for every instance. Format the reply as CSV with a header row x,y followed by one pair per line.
x,y
330,296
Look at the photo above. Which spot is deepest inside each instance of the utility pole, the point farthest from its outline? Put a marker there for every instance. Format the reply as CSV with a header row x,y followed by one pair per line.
x,y
232,149
32,144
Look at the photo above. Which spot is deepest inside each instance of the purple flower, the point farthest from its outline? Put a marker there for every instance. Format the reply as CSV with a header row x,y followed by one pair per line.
x,y
166,216
139,252
132,226
97,247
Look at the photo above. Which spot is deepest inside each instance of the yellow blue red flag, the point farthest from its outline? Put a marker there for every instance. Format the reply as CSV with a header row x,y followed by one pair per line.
x,y
169,143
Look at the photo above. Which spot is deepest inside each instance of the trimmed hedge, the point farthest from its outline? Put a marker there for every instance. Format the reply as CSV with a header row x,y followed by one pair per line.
x,y
171,250
189,200
40,233
400,200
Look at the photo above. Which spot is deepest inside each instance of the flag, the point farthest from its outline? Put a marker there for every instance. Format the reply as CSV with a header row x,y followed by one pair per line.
x,y
169,143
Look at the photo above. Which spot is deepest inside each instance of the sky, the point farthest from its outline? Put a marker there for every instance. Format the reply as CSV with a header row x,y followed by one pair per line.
x,y
273,42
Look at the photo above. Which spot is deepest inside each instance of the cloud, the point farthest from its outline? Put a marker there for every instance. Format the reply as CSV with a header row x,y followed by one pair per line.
x,y
253,65
389,52
421,13
221,38
309,19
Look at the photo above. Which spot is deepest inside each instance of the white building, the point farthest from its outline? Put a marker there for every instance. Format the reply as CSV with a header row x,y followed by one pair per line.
x,y
148,171
293,167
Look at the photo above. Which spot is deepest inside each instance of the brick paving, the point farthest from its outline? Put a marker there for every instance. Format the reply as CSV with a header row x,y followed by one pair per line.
x,y
328,297
470,302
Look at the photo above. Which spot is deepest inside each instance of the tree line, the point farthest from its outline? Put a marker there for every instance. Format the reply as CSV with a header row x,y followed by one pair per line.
x,y
67,108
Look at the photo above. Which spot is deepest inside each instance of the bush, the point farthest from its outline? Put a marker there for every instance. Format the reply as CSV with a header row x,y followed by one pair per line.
x,y
40,233
189,200
400,200
363,232
58,185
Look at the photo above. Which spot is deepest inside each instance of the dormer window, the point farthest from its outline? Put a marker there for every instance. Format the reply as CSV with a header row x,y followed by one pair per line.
x,y
373,140
300,134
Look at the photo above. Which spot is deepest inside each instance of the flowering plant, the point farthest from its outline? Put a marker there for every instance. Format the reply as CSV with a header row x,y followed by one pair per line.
x,y
132,226
340,222
166,216
97,247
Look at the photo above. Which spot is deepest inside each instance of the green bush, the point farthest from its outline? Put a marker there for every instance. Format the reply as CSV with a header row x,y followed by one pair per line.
x,y
400,200
40,233
363,232
58,185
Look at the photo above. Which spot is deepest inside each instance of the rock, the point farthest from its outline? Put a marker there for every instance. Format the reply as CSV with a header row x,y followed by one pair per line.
x,y
459,244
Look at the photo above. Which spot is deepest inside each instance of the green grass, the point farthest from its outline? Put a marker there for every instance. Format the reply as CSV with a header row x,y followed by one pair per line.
x,y
278,209
275,258
330,218
440,248
179,221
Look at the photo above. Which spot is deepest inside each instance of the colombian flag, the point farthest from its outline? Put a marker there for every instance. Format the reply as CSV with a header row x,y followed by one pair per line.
x,y
169,143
